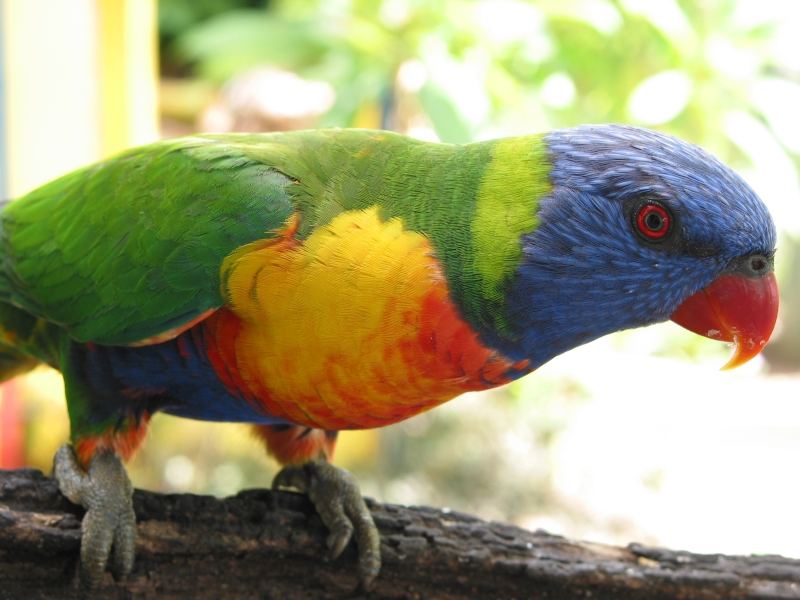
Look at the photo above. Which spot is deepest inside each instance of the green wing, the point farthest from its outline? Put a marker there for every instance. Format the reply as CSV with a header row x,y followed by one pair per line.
x,y
132,247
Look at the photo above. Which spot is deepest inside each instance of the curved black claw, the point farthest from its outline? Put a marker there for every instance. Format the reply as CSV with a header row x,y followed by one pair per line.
x,y
337,498
109,526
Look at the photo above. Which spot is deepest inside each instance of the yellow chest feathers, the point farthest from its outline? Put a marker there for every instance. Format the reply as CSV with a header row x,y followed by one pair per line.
x,y
351,328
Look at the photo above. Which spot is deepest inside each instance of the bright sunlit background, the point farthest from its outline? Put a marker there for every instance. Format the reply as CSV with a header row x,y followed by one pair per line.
x,y
637,436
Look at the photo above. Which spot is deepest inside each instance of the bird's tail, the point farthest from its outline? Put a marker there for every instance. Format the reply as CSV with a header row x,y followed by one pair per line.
x,y
17,330
19,352
13,359
13,363
5,289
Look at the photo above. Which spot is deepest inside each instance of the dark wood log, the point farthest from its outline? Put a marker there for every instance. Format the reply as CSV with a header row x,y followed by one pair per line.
x,y
261,544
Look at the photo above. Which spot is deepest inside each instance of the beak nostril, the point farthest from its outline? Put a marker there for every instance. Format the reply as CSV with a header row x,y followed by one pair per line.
x,y
757,265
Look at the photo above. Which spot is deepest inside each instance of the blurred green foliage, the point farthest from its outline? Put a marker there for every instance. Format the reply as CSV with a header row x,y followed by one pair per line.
x,y
497,66
175,17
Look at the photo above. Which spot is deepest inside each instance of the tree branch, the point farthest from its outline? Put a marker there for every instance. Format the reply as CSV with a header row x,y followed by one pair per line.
x,y
261,544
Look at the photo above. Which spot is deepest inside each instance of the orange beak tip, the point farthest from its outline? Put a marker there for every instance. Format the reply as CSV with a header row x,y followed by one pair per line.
x,y
740,355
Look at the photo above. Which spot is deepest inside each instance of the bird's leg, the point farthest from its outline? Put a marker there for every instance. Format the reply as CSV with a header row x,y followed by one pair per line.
x,y
109,525
333,491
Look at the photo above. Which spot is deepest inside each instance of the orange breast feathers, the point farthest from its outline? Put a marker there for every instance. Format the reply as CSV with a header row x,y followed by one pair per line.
x,y
351,328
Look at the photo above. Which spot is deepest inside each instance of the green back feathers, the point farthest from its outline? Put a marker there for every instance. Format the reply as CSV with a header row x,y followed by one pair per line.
x,y
132,247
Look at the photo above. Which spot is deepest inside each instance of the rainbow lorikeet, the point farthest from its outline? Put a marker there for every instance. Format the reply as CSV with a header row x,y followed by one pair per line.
x,y
314,281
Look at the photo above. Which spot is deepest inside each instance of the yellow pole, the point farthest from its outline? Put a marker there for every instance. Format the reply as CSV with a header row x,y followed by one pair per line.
x,y
127,69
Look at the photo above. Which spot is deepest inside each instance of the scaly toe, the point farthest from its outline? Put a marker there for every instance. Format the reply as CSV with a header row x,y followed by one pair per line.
x,y
109,525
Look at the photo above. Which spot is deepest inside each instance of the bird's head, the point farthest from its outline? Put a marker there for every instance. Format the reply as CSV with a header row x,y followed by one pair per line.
x,y
640,227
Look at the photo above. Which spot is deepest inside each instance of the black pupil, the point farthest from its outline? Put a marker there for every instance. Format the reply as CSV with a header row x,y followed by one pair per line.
x,y
653,221
758,264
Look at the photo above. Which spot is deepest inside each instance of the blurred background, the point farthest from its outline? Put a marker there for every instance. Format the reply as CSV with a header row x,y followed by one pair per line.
x,y
637,436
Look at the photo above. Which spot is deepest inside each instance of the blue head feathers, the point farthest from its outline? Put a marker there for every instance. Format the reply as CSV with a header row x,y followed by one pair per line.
x,y
587,270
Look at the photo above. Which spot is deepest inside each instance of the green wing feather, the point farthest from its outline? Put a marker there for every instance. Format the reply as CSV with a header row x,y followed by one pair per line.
x,y
132,247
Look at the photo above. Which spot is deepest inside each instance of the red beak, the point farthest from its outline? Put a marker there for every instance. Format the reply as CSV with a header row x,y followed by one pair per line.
x,y
733,308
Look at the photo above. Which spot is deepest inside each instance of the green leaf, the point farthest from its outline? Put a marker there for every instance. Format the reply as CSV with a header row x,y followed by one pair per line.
x,y
237,40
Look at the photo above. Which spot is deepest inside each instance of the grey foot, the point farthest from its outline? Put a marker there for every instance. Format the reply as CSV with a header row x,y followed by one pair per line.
x,y
109,526
337,498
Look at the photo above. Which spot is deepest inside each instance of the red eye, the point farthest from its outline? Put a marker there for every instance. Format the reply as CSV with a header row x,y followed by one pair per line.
x,y
653,221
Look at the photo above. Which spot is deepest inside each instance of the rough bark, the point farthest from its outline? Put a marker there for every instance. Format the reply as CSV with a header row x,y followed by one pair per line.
x,y
260,544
